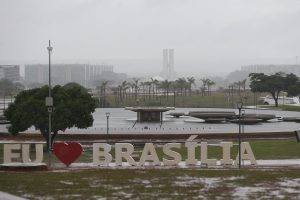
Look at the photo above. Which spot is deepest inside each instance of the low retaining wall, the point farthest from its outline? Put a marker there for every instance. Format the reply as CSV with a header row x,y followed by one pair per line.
x,y
147,136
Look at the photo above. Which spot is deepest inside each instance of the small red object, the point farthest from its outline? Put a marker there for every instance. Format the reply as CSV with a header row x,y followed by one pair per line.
x,y
67,152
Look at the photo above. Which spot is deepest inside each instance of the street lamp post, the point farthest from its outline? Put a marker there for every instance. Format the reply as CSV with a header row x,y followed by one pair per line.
x,y
107,124
49,104
240,106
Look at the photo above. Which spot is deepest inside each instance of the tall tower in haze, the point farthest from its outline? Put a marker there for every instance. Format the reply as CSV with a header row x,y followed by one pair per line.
x,y
168,71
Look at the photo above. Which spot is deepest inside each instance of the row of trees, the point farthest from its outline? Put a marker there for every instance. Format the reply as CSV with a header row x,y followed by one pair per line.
x,y
154,88
259,82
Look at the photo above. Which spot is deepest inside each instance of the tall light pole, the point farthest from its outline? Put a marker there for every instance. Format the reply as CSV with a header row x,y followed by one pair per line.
x,y
107,124
49,104
240,106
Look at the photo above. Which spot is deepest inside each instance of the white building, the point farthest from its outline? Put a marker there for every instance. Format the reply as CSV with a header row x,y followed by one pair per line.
x,y
10,72
64,73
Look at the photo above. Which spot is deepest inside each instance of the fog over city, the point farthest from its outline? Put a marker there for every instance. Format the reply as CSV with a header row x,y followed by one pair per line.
x,y
208,37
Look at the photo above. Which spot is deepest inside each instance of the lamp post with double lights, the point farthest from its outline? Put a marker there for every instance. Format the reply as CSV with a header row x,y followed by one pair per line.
x,y
239,105
49,104
107,124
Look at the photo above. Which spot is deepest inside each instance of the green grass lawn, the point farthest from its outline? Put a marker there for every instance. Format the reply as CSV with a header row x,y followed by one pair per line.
x,y
153,184
217,99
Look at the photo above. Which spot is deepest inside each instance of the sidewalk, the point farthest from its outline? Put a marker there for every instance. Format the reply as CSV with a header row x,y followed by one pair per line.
x,y
6,196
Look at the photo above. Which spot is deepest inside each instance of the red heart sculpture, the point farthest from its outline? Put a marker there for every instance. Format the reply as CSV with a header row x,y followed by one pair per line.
x,y
67,153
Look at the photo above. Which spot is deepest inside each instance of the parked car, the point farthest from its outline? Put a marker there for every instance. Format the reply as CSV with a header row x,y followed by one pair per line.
x,y
282,100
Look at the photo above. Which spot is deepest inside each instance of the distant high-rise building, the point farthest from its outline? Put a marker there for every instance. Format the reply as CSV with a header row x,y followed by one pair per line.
x,y
10,72
168,71
83,74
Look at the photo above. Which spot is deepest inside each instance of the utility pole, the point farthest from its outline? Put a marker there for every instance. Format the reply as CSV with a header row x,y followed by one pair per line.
x,y
49,104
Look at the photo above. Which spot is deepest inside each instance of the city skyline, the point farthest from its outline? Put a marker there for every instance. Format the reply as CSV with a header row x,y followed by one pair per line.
x,y
210,37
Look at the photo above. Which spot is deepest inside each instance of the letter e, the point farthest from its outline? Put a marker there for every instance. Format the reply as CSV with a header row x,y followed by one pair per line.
x,y
8,154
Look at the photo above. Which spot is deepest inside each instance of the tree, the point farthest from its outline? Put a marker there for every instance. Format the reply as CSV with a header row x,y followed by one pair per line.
x,y
155,84
191,81
292,85
204,84
102,93
73,107
148,84
165,85
135,86
294,90
6,87
174,86
238,85
273,84
209,84
122,89
243,84
9,88
181,82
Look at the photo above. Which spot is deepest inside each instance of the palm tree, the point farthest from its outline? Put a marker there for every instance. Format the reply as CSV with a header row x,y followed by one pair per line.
x,y
148,84
120,92
143,84
204,84
191,81
238,86
165,85
181,84
243,84
155,84
131,89
202,89
135,86
124,87
102,93
231,87
174,86
209,84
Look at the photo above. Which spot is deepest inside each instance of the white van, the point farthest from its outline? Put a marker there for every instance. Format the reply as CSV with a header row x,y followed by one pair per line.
x,y
282,100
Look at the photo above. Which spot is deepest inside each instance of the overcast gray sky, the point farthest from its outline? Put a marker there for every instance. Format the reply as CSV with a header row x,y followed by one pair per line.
x,y
209,36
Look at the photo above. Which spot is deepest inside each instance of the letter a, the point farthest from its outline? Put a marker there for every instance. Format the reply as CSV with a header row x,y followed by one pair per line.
x,y
149,148
246,154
